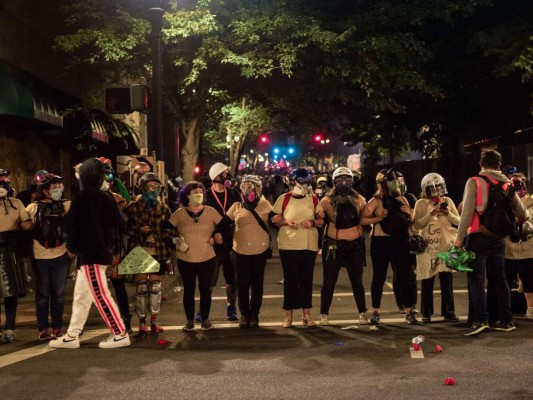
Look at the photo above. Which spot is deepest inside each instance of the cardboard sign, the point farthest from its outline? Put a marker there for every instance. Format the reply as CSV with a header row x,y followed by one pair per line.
x,y
138,261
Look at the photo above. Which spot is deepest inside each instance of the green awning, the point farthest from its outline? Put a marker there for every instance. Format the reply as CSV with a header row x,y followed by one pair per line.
x,y
23,95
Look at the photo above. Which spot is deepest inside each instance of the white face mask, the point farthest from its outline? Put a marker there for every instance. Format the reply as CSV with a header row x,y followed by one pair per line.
x,y
301,190
105,186
196,199
56,194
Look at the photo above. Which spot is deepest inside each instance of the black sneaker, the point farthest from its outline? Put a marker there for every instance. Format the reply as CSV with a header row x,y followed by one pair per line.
x,y
500,326
243,322
254,321
476,329
376,319
451,318
231,313
410,318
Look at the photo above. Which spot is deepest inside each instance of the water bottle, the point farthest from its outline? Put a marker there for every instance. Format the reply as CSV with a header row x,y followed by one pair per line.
x,y
170,267
419,339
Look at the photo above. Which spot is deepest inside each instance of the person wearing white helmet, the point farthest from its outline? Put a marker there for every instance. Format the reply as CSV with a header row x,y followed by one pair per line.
x,y
13,217
434,215
250,244
298,214
221,196
389,213
343,244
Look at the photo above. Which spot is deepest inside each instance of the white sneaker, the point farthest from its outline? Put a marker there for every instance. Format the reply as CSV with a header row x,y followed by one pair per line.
x,y
115,341
363,319
323,319
65,342
529,313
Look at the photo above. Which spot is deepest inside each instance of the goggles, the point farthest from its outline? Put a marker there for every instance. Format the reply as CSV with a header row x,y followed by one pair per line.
x,y
153,186
303,181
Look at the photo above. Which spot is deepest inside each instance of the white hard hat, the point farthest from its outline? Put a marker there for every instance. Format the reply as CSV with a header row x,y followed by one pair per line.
x,y
342,171
216,170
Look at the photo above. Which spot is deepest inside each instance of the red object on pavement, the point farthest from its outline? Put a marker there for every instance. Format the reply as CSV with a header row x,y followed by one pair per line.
x,y
438,349
163,342
449,381
416,346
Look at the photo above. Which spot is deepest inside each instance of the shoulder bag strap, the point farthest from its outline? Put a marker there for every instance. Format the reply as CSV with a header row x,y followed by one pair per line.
x,y
260,222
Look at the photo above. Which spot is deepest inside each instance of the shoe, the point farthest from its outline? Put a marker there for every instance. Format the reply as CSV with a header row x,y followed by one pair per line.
x,y
143,329
198,318
206,325
500,326
189,326
414,310
308,321
410,318
155,328
56,333
476,328
363,319
231,313
323,319
451,318
426,320
44,334
254,321
66,342
287,322
115,341
243,322
281,282
375,319
529,313
9,336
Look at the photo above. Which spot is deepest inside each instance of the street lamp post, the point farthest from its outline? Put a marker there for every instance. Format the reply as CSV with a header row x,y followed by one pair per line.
x,y
155,141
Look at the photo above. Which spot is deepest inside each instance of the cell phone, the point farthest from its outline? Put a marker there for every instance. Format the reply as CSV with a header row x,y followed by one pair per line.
x,y
443,205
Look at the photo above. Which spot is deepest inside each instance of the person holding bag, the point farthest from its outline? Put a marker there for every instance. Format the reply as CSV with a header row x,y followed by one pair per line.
x,y
434,216
252,246
390,214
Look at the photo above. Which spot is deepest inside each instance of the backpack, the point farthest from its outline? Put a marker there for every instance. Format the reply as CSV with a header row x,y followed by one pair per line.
x,y
396,223
499,217
287,198
48,226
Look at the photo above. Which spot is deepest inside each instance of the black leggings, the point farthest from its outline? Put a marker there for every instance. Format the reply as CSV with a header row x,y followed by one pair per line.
x,y
250,277
189,271
447,307
394,250
298,267
119,286
10,306
353,259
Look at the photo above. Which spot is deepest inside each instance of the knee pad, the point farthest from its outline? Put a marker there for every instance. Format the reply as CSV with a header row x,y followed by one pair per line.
x,y
141,300
155,297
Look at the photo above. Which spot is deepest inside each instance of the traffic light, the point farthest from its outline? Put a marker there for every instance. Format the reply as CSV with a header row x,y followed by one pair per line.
x,y
196,170
140,97
318,138
263,139
117,100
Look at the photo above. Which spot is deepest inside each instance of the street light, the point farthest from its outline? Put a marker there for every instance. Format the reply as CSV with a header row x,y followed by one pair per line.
x,y
156,134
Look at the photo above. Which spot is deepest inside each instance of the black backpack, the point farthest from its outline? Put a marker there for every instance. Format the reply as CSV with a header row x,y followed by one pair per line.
x,y
396,223
499,217
48,226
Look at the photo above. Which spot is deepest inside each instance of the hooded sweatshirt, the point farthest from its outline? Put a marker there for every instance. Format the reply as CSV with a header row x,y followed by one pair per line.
x,y
469,219
93,219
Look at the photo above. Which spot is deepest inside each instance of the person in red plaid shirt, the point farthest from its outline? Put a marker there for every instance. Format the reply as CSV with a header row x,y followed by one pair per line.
x,y
147,226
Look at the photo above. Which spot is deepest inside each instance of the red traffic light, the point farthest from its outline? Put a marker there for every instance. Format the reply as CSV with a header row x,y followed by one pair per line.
x,y
318,138
196,170
263,139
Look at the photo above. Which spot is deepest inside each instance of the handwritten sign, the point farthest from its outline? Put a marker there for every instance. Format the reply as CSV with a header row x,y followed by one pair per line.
x,y
138,261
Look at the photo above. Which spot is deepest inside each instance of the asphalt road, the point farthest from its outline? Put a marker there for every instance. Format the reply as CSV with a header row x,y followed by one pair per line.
x,y
326,362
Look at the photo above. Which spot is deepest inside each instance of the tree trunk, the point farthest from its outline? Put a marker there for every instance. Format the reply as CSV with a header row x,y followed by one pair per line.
x,y
190,149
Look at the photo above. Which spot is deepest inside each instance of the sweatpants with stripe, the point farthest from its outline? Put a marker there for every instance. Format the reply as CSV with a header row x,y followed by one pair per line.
x,y
91,287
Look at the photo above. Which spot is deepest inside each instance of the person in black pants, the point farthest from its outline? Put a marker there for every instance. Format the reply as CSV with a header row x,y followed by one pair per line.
x,y
343,244
390,213
221,196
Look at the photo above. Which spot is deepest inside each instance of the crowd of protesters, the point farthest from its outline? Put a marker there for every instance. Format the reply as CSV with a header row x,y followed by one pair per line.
x,y
229,223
